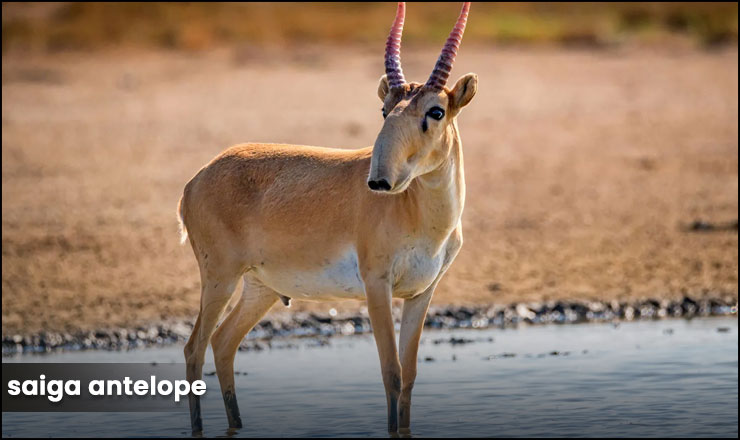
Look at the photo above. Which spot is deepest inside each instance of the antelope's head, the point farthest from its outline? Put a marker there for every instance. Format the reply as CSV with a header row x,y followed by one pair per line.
x,y
420,125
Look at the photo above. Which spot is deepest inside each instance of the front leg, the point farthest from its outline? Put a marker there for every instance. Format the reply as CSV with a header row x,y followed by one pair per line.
x,y
412,323
379,295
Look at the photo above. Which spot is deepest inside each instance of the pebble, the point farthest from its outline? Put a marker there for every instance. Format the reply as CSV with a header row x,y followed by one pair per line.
x,y
499,356
453,341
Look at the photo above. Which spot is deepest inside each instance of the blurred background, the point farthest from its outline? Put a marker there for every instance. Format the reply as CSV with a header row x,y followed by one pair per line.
x,y
601,150
54,27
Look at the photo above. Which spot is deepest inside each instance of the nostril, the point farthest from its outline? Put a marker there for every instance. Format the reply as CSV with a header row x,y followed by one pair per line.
x,y
383,185
379,185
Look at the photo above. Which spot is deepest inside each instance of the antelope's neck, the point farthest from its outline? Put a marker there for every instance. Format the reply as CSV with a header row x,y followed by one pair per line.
x,y
440,195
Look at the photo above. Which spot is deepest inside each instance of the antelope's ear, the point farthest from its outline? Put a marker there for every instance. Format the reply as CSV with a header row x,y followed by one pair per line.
x,y
383,87
463,92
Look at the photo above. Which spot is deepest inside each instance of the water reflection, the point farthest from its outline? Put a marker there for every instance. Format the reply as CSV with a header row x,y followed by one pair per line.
x,y
635,379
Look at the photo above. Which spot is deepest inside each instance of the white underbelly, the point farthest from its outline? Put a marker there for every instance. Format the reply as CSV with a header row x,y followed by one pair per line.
x,y
330,279
338,278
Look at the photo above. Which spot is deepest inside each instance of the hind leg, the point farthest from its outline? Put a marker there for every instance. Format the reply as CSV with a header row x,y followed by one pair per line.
x,y
255,302
216,290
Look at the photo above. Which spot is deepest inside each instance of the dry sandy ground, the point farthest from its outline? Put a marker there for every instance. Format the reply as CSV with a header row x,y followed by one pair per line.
x,y
583,170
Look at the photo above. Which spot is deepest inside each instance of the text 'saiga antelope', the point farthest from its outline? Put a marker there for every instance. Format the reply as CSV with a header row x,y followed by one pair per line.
x,y
300,222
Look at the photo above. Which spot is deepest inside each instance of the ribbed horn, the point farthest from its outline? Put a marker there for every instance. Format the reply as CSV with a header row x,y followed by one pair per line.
x,y
393,49
441,72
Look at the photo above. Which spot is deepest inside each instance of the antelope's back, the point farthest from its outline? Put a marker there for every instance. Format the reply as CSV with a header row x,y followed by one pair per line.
x,y
275,188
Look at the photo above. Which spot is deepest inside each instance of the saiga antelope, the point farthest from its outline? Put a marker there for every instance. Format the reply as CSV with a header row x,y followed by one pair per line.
x,y
300,222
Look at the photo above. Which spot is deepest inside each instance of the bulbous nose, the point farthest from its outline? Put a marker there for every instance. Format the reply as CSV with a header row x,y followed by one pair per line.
x,y
379,185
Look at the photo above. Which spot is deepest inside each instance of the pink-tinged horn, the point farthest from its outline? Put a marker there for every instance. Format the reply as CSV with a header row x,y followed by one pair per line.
x,y
441,72
393,49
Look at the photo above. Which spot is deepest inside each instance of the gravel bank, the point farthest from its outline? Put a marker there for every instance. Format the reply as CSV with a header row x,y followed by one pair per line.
x,y
322,327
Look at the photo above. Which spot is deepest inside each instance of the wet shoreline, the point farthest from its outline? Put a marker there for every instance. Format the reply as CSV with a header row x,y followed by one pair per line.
x,y
322,327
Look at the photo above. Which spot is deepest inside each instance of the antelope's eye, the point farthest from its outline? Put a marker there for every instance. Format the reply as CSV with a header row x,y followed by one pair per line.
x,y
436,113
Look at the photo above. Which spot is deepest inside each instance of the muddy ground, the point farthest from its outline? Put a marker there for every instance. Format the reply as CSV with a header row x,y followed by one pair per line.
x,y
608,174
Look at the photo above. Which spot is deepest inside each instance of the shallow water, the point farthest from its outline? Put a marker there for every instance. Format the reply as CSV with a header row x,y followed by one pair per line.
x,y
649,378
